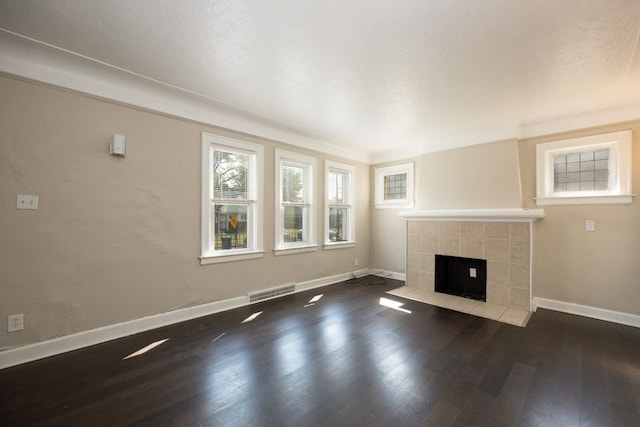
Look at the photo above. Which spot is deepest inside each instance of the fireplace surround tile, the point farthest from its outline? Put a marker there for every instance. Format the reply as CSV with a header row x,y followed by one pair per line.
x,y
520,252
450,228
472,229
520,276
430,228
520,231
429,243
505,245
427,280
519,298
498,273
427,263
472,248
496,230
449,246
498,294
497,250
413,242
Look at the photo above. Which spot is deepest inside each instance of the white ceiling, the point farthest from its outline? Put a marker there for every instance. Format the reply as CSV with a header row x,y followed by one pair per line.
x,y
369,75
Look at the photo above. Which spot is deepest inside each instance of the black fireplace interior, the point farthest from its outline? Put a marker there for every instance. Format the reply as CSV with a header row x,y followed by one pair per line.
x,y
463,277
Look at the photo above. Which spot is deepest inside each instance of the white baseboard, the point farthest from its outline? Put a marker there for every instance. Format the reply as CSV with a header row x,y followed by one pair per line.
x,y
52,347
323,281
588,311
388,274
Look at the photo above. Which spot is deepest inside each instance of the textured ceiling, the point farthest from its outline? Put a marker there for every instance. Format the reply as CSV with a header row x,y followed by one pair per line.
x,y
372,75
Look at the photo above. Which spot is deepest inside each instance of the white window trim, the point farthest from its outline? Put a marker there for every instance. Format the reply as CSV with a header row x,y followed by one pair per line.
x,y
255,249
350,171
309,162
619,145
380,174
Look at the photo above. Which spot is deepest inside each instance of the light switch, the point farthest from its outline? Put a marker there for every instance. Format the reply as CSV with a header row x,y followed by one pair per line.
x,y
589,225
27,201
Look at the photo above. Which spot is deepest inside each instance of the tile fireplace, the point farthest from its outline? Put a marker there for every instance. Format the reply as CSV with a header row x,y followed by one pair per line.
x,y
502,238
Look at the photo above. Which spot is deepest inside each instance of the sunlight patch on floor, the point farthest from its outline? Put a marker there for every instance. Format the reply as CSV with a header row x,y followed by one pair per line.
x,y
252,317
396,305
143,350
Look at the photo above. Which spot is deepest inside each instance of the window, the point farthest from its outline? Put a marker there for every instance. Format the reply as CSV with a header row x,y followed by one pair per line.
x,y
295,202
587,170
394,186
231,199
339,216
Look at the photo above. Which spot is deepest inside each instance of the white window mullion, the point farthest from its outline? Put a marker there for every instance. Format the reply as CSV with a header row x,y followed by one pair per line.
x,y
295,201
339,229
232,208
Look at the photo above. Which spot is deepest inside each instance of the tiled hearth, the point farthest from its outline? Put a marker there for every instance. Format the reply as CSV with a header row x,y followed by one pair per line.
x,y
503,240
513,316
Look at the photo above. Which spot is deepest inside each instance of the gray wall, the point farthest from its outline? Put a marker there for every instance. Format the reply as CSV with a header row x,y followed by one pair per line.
x,y
119,239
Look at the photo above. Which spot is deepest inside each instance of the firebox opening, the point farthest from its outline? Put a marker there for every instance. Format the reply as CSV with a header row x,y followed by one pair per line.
x,y
463,277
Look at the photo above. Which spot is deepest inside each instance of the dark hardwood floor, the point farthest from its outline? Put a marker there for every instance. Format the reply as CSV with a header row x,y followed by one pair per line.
x,y
345,360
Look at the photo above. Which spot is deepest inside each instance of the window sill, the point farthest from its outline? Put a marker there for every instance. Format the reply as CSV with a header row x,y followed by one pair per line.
x,y
586,200
294,250
339,245
393,205
217,259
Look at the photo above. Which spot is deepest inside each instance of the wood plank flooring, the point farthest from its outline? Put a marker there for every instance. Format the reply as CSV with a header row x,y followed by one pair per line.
x,y
344,360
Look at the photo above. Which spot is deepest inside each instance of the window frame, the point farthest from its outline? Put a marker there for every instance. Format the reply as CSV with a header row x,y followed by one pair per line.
x,y
254,201
380,174
619,145
309,163
349,170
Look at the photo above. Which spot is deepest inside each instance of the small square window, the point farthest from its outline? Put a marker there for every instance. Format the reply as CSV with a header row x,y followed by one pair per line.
x,y
394,187
593,169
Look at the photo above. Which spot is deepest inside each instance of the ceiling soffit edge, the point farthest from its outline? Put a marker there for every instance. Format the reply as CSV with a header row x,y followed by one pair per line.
x,y
33,60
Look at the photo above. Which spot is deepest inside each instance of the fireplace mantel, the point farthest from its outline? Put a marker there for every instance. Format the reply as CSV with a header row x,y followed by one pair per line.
x,y
506,215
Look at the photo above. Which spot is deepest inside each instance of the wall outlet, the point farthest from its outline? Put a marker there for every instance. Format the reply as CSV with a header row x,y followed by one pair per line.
x,y
15,322
355,262
27,201
473,272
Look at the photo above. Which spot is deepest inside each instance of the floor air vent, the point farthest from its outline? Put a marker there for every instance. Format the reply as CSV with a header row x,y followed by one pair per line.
x,y
271,293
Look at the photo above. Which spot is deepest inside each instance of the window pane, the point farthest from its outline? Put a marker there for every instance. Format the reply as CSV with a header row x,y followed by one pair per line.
x,y
338,224
337,185
583,171
230,175
293,224
395,187
292,184
230,226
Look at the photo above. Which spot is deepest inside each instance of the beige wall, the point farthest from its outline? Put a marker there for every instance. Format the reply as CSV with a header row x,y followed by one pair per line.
x,y
118,239
481,176
599,269
388,230
476,177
